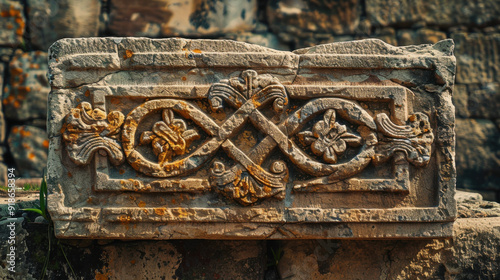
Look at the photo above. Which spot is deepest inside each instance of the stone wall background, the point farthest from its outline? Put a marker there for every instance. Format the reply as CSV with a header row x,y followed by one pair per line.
x,y
29,27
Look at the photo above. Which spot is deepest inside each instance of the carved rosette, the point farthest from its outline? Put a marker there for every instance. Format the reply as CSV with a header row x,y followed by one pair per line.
x,y
324,150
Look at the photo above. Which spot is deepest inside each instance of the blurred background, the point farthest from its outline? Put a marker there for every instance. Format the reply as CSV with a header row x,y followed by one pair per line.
x,y
29,27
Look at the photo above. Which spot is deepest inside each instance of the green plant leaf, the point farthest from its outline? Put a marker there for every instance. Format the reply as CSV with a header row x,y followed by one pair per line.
x,y
33,210
43,197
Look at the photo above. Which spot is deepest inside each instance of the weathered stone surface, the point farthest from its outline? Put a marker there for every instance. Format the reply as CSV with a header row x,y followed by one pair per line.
x,y
222,139
12,23
420,36
3,174
294,18
28,145
186,18
473,254
461,101
480,100
3,125
478,59
439,12
472,205
6,54
53,20
265,39
25,96
478,154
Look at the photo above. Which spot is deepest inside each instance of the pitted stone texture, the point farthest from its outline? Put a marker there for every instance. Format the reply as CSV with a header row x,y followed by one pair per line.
x,y
479,101
3,125
221,139
53,20
472,205
181,18
265,39
28,145
420,36
25,96
478,59
291,19
478,154
439,12
473,254
12,23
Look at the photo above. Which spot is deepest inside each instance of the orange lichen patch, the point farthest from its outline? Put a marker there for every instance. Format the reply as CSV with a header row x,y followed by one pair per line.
x,y
197,51
141,204
45,143
102,276
131,197
412,118
121,171
128,54
17,104
182,213
173,201
183,78
70,175
89,200
31,155
124,218
132,262
87,93
24,133
15,129
26,146
63,128
15,71
10,26
160,211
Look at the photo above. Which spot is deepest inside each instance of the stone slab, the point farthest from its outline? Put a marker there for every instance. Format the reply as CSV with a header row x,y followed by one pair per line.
x,y
478,60
26,92
12,23
478,154
28,146
442,13
291,19
214,139
53,20
181,18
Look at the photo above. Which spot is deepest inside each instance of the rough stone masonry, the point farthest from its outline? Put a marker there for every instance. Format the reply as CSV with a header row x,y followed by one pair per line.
x,y
216,139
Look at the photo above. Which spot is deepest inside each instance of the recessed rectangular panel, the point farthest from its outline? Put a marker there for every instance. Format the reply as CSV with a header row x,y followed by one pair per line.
x,y
178,139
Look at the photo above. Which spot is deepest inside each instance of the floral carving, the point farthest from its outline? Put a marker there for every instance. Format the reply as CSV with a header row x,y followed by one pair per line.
x,y
87,130
169,137
328,138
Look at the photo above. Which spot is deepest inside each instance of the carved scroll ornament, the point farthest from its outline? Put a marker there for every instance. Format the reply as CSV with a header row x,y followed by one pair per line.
x,y
316,150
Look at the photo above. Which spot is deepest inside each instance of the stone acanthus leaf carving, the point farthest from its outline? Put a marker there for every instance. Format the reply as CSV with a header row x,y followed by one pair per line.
x,y
248,187
88,130
169,137
414,139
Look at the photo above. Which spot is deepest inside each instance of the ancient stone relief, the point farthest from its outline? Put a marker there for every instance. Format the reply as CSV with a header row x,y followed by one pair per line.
x,y
189,139
243,179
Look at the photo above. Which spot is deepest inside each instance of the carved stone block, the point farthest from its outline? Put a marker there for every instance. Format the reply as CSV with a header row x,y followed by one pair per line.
x,y
179,139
